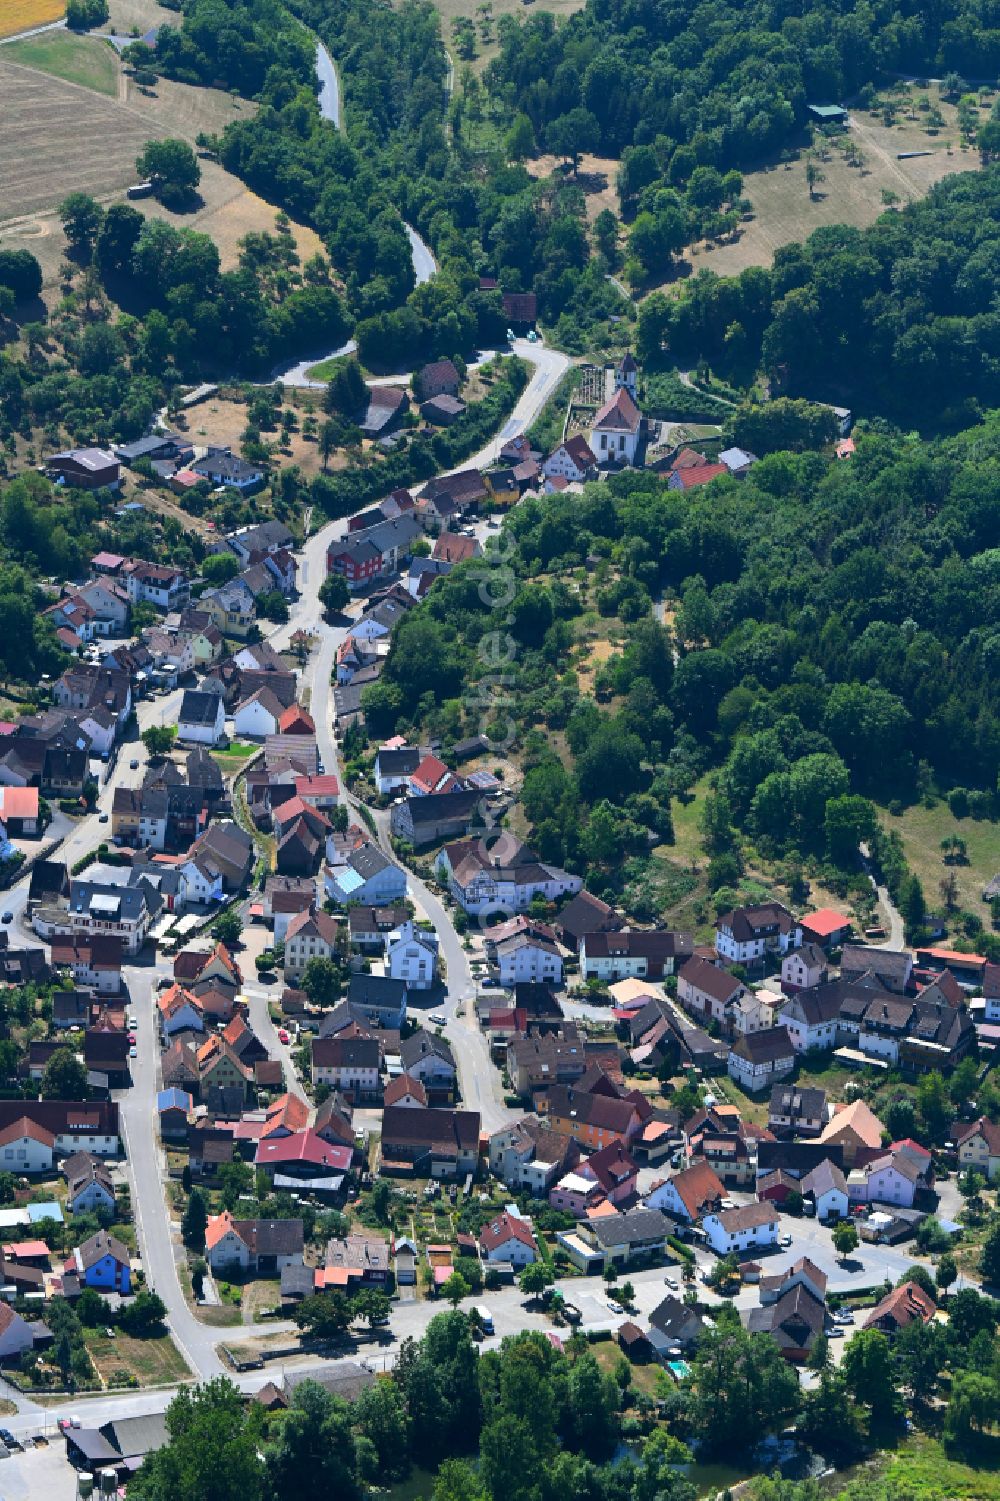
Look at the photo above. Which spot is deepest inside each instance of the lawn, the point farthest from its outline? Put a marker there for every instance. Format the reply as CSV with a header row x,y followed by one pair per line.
x,y
922,830
645,1378
77,59
22,15
153,1362
325,369
232,760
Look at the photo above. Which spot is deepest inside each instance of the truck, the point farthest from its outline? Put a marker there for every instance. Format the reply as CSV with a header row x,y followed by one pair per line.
x,y
485,1318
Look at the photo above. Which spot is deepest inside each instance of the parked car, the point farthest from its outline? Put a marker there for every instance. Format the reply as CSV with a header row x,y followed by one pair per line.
x,y
133,1052
438,1018
133,765
103,818
283,1035
8,916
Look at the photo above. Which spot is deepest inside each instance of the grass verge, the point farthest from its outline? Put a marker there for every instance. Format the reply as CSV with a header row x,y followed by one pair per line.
x,y
77,59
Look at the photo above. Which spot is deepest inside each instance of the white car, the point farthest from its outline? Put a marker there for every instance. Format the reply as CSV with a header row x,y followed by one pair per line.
x,y
438,1018
835,1332
784,1240
615,1307
672,1283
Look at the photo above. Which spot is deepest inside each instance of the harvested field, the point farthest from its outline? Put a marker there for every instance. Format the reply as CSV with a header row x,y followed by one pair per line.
x,y
784,211
85,60
22,15
57,137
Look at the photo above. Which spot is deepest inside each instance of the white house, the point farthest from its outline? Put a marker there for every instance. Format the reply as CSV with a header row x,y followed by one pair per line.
x,y
761,1059
202,718
101,725
198,882
364,876
745,935
179,1011
351,1065
309,935
154,584
505,877
812,1017
394,766
257,716
428,1057
614,436
527,958
265,1246
508,1238
803,967
733,1231
571,460
411,956
16,1334
26,1147
826,1186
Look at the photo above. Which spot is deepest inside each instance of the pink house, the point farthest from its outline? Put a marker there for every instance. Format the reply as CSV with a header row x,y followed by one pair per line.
x,y
614,1170
574,1194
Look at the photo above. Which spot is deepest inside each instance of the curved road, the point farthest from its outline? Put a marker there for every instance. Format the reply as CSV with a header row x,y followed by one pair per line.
x,y
424,264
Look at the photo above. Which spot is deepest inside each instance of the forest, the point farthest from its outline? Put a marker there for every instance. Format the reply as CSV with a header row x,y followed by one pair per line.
x,y
723,82
835,639
898,319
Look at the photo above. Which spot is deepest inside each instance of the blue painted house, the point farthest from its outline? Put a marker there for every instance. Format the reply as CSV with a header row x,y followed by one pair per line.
x,y
102,1262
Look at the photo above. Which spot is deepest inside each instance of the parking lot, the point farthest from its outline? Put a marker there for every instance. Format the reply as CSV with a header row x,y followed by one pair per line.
x,y
38,1472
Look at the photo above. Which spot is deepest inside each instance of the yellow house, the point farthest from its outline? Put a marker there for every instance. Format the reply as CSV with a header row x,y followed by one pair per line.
x,y
502,487
979,1148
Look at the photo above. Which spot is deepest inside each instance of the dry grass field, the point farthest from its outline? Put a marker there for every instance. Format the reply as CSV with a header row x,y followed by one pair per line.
x,y
22,15
596,178
58,136
126,16
784,211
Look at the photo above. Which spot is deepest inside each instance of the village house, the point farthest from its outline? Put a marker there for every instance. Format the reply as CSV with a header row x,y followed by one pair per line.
x,y
430,1143
506,876
796,1110
732,1232
978,1147
745,935
201,719
530,1155
573,460
351,1065
632,954
307,935
803,967
689,1194
508,1238
260,1246
706,991
102,1262
760,1059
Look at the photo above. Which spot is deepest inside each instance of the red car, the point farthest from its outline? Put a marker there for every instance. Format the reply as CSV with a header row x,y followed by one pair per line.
x,y
131,1037
283,1035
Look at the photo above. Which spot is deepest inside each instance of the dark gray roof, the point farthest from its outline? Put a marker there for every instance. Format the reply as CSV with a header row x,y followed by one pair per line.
x,y
198,707
375,990
855,959
635,1228
442,806
422,1045
398,763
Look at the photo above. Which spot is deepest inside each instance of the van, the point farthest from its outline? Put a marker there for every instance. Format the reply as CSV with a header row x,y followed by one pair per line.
x,y
485,1318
